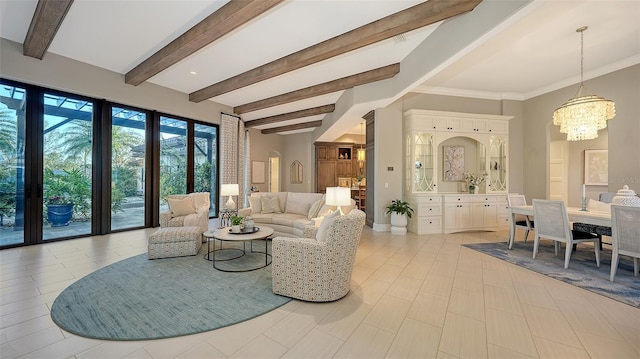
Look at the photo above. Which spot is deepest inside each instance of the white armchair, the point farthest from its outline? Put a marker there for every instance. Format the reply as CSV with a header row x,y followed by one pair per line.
x,y
318,270
187,210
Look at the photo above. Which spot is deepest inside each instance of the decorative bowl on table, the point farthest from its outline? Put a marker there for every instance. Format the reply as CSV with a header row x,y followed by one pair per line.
x,y
626,197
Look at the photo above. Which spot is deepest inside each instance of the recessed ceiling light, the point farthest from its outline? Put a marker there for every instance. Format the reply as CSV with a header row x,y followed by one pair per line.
x,y
193,72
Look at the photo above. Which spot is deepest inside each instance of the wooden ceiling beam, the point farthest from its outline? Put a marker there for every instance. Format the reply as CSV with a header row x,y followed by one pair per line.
x,y
45,23
415,17
298,126
344,83
229,17
314,111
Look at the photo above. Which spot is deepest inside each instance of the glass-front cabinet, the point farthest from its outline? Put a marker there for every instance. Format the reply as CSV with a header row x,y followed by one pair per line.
x,y
497,181
434,182
420,168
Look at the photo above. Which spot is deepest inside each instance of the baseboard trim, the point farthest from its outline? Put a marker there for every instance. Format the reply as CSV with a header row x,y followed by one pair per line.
x,y
381,227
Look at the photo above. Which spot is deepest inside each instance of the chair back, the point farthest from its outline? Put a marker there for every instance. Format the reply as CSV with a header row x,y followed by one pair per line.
x,y
552,220
517,200
625,229
199,199
344,236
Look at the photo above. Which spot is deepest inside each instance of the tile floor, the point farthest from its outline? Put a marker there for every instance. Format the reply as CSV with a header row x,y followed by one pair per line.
x,y
412,296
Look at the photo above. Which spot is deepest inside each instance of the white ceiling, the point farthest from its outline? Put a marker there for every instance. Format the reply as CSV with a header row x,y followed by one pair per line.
x,y
535,51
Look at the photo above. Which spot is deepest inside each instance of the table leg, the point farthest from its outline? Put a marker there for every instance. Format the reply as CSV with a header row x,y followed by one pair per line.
x,y
512,230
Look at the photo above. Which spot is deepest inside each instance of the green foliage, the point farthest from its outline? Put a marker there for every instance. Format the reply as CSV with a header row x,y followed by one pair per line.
x,y
124,178
202,180
400,207
236,220
72,186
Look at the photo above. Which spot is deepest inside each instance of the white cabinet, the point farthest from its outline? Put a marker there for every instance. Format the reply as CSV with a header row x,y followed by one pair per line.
x,y
457,213
485,212
471,125
427,216
474,212
426,133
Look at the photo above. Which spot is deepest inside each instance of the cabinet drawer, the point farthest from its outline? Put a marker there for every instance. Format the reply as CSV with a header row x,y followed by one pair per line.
x,y
430,224
458,199
484,199
429,209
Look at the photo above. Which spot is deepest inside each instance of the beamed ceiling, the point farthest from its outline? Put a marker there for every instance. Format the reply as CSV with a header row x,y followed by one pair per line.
x,y
318,65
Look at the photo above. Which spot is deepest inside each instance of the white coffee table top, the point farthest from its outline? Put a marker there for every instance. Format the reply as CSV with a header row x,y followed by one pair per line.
x,y
225,235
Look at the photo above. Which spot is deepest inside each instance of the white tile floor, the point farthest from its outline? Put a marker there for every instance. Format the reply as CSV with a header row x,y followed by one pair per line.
x,y
412,296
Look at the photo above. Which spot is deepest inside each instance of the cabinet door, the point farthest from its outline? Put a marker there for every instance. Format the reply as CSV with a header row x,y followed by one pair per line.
x,y
344,168
471,125
497,181
478,214
497,127
326,175
465,216
491,215
451,215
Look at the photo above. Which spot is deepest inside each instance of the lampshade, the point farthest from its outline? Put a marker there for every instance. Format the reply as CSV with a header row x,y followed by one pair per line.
x,y
582,116
229,190
338,196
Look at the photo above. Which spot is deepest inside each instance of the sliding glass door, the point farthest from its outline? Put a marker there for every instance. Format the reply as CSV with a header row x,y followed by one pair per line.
x,y
205,162
128,168
173,159
67,155
12,176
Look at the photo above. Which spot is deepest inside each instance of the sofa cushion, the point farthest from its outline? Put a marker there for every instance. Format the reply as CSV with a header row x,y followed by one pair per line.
x,y
321,235
262,218
300,223
255,203
181,207
270,204
315,208
286,219
300,203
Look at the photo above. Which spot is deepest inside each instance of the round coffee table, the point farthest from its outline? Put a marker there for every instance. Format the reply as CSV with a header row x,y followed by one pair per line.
x,y
225,235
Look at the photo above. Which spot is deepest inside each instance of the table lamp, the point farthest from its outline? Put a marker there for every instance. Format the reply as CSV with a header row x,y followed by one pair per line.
x,y
230,190
338,196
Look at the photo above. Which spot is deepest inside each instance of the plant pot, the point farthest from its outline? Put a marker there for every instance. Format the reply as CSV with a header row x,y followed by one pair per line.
x,y
59,215
398,223
236,229
474,189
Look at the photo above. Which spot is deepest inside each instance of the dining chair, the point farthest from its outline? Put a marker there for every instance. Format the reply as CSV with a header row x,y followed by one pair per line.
x,y
552,222
522,221
626,236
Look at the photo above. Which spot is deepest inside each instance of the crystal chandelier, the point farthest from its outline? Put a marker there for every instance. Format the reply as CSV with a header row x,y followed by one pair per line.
x,y
582,116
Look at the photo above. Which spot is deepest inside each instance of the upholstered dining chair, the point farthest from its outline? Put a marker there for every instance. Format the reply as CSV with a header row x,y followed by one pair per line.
x,y
552,222
626,236
522,221
318,269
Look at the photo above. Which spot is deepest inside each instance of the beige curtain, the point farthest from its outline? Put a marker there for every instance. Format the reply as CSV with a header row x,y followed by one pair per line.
x,y
233,155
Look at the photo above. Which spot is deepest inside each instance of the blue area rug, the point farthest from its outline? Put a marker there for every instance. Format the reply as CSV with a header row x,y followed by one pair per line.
x,y
582,271
140,299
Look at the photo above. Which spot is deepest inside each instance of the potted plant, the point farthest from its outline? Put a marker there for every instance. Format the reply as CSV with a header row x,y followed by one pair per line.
x,y
236,222
66,193
400,210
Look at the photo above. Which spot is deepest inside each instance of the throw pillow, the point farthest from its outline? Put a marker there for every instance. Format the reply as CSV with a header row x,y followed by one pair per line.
x,y
181,207
321,235
270,204
315,207
598,206
256,204
325,209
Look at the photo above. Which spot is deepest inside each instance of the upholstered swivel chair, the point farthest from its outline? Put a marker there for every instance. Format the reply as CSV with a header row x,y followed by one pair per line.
x,y
552,222
626,235
318,270
522,221
179,214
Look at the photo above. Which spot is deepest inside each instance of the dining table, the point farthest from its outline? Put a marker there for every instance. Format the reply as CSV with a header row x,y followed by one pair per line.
x,y
575,214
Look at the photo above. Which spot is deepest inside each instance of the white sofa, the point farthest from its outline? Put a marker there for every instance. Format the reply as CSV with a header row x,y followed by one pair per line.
x,y
292,214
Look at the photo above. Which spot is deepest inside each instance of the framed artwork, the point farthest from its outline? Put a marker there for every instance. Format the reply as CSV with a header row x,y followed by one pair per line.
x,y
257,172
296,172
596,167
344,182
453,163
